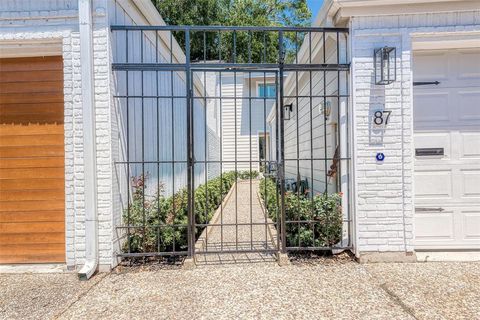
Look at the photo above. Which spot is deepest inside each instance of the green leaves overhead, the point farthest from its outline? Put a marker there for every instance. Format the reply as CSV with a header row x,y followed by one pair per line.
x,y
263,46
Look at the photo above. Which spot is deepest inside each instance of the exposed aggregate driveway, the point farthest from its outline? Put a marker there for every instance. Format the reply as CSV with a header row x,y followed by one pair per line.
x,y
319,290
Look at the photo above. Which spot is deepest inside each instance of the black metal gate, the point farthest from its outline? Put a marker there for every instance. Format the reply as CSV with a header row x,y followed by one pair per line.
x,y
231,139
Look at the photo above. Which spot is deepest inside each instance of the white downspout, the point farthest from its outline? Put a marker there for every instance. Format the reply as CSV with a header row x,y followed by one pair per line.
x,y
89,149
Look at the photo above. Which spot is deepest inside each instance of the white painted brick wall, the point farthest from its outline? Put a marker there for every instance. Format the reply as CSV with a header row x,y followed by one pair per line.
x,y
384,191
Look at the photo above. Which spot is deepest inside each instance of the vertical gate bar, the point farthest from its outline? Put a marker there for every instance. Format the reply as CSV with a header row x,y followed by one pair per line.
x,y
282,146
277,159
265,95
250,146
325,135
128,149
158,152
219,46
144,219
221,160
297,215
158,141
204,47
173,146
249,46
173,138
312,213
236,156
234,46
190,188
205,155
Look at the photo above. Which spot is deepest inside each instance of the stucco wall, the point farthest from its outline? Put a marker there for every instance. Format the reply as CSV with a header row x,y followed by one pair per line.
x,y
384,190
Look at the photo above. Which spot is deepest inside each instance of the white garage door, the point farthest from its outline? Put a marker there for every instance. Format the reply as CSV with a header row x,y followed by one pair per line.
x,y
447,149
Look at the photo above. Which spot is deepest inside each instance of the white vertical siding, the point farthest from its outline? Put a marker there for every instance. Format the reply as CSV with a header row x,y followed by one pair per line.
x,y
157,128
307,136
242,121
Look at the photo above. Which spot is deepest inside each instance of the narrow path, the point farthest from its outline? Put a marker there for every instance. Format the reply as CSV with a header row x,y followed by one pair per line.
x,y
244,228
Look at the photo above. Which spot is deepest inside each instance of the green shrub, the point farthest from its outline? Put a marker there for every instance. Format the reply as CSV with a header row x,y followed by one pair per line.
x,y
324,210
152,220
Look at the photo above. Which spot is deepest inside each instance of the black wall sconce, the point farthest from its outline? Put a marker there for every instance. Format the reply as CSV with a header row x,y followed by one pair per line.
x,y
287,111
385,67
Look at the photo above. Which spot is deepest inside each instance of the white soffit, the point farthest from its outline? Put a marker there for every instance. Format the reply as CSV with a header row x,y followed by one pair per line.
x,y
340,10
461,40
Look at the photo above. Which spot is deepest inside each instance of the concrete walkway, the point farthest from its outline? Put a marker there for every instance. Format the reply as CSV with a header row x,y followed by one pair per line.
x,y
245,228
307,290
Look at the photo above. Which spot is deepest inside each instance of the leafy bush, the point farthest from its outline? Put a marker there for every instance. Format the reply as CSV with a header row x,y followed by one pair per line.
x,y
324,210
154,221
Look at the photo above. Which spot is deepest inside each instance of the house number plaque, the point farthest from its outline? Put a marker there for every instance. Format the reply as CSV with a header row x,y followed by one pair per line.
x,y
381,117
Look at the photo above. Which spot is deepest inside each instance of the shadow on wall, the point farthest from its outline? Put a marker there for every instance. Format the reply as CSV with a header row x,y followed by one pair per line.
x,y
376,131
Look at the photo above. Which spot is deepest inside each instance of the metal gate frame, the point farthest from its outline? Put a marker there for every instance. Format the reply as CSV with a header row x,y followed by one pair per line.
x,y
189,67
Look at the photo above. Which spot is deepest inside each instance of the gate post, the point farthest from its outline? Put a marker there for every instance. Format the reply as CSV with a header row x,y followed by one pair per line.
x,y
281,153
190,182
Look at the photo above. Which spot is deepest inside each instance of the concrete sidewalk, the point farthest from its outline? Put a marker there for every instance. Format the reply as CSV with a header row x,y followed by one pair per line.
x,y
323,290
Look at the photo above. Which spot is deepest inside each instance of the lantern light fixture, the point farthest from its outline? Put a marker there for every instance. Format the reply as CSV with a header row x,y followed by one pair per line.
x,y
385,67
287,111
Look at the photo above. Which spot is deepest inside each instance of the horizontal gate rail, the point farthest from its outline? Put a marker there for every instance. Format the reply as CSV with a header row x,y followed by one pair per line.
x,y
228,28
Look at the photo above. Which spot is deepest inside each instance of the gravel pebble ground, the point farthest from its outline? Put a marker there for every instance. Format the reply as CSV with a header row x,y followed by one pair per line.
x,y
40,296
340,290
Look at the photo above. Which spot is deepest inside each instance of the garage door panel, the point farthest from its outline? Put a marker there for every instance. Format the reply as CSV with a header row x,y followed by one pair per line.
x,y
470,142
32,151
40,162
426,139
31,227
471,183
28,87
33,64
447,188
35,252
32,140
435,226
29,195
433,184
32,169
12,206
468,104
32,238
429,66
468,65
32,216
30,129
431,106
25,173
471,225
32,184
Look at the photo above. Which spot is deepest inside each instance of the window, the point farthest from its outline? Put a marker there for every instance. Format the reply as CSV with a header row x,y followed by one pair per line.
x,y
267,90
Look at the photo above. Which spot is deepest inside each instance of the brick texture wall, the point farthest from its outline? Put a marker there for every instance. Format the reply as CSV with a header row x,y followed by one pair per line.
x,y
384,199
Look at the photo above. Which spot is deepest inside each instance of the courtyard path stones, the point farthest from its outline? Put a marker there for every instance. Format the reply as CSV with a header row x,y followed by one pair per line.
x,y
242,207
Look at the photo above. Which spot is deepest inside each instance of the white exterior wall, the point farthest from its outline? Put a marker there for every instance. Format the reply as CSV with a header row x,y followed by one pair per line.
x,y
46,23
307,134
384,191
242,121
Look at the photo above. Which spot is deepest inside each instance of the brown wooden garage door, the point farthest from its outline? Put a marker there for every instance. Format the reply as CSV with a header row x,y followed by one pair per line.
x,y
32,176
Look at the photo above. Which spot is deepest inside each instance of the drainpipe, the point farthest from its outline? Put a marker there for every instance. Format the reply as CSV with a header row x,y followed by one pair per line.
x,y
89,149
